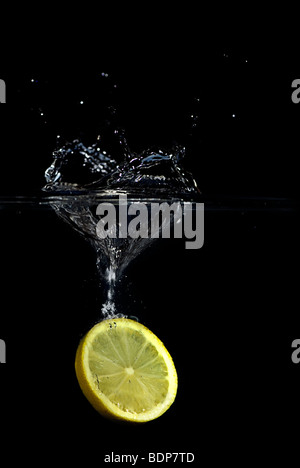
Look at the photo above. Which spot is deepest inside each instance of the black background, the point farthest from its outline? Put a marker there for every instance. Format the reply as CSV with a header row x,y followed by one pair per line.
x,y
228,312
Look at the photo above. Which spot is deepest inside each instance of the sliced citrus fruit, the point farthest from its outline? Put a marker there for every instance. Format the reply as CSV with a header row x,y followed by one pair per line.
x,y
125,371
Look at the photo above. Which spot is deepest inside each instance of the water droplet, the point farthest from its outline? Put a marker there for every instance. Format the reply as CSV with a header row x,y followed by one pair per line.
x,y
133,317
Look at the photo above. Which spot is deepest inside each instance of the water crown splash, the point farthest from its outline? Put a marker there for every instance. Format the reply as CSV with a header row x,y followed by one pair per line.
x,y
80,177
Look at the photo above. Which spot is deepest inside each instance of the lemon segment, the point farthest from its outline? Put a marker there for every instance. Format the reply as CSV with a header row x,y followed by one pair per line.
x,y
125,371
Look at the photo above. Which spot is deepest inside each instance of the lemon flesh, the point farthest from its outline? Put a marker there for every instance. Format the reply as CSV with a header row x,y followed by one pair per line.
x,y
125,371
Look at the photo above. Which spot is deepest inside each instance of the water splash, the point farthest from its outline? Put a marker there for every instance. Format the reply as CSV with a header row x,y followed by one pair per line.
x,y
80,177
153,173
75,164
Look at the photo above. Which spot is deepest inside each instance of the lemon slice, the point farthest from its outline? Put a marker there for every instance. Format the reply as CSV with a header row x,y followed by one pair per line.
x,y
125,371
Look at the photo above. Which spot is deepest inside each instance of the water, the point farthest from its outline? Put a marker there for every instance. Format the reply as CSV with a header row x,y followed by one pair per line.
x,y
155,173
80,177
84,174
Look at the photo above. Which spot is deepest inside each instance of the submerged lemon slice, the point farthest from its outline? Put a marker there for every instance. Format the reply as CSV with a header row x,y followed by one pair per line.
x,y
125,371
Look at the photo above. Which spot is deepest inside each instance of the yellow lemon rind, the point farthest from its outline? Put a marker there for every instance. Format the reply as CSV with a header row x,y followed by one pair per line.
x,y
100,401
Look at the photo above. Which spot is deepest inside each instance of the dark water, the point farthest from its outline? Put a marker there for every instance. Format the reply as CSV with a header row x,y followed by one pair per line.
x,y
228,313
